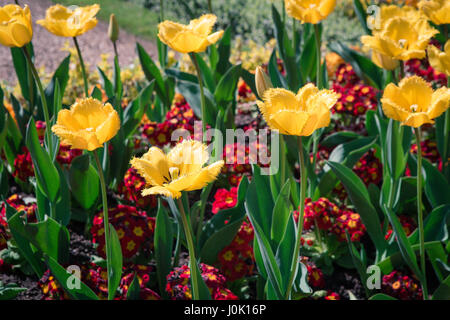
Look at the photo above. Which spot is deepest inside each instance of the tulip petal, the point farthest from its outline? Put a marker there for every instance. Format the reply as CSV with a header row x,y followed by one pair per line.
x,y
110,126
153,166
189,156
439,102
417,119
203,25
158,190
205,176
416,91
290,122
393,110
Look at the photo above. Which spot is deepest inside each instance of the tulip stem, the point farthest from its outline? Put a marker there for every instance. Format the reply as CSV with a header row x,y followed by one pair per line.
x,y
105,217
319,56
209,6
83,67
301,213
190,243
115,50
43,98
420,213
200,84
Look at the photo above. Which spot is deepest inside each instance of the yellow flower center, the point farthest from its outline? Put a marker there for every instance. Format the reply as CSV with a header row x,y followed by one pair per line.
x,y
174,172
414,107
90,129
312,6
402,42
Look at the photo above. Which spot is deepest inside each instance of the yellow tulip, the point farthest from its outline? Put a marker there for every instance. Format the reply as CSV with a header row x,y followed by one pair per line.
x,y
401,39
388,12
87,125
414,102
64,22
309,11
15,26
297,115
180,170
437,11
440,60
194,37
383,61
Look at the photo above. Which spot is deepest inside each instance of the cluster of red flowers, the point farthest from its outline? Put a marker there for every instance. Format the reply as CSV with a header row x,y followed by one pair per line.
x,y
407,223
315,276
354,97
131,187
133,227
429,151
95,278
224,199
368,168
423,69
180,116
23,164
245,94
328,217
179,286
237,260
401,286
332,296
18,202
239,157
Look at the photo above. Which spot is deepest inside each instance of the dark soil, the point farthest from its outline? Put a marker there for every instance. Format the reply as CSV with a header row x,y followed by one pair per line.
x,y
344,280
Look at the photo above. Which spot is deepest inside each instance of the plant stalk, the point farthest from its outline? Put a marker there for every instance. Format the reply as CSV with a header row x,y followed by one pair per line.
x,y
83,67
202,94
420,213
319,56
190,243
105,216
295,258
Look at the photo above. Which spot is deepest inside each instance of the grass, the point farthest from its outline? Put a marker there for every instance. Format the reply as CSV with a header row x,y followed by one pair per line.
x,y
131,17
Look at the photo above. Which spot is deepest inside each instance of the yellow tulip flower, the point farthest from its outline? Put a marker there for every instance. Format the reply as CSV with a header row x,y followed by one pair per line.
x,y
297,115
194,37
309,11
388,12
383,61
414,102
437,11
180,170
401,39
440,60
64,22
15,26
87,125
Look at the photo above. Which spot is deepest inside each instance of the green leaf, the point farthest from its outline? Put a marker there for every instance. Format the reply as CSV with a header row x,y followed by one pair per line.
x,y
249,79
151,72
191,92
163,243
180,75
381,296
360,198
46,173
24,245
435,226
361,14
436,186
338,138
308,58
363,67
84,182
61,76
224,51
48,236
118,88
115,257
23,73
278,81
10,291
82,293
281,213
226,88
207,75
396,156
443,291
204,293
106,83
216,233
134,291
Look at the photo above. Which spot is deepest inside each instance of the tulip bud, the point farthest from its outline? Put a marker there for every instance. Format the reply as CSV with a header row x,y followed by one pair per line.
x,y
113,29
384,61
262,81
